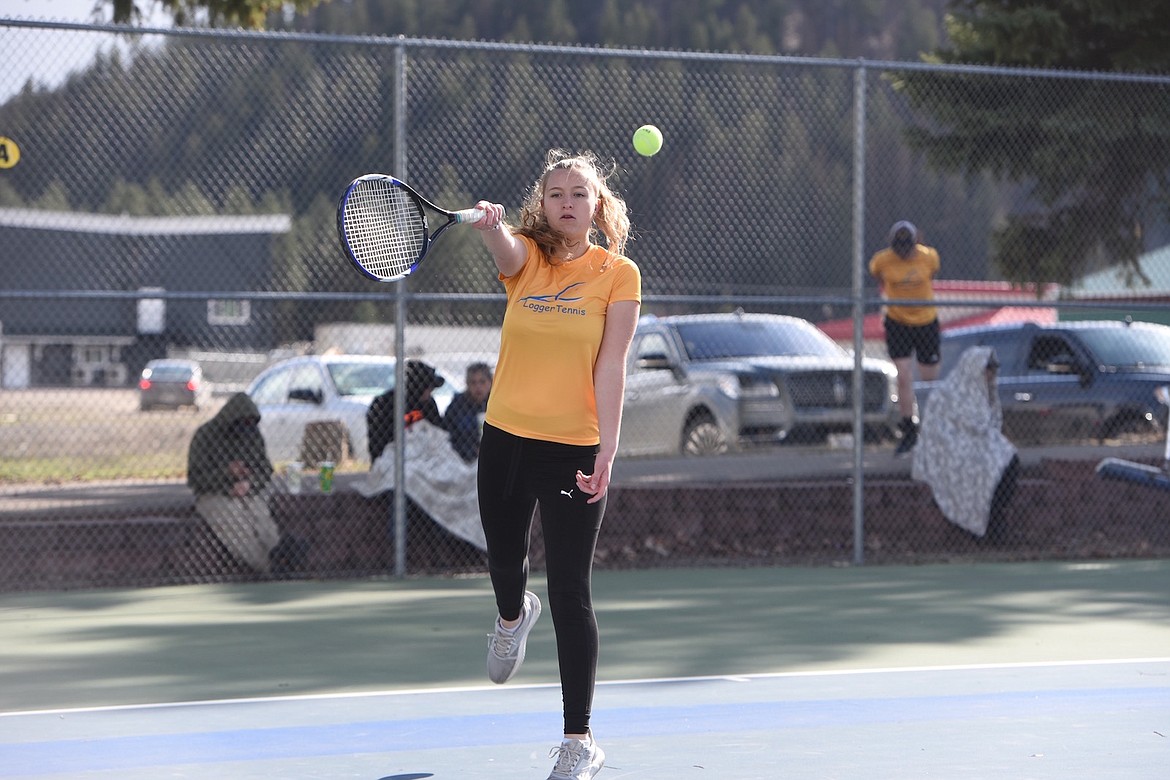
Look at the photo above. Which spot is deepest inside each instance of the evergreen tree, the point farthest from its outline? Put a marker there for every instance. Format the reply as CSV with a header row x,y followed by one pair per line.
x,y
1095,186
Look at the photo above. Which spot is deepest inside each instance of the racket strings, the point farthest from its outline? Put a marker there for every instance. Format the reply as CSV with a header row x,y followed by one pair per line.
x,y
386,230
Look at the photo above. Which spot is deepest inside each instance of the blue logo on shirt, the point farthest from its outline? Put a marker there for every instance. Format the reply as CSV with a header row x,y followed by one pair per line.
x,y
550,303
557,297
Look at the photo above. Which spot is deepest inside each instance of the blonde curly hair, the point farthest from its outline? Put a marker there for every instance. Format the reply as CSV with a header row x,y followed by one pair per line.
x,y
611,219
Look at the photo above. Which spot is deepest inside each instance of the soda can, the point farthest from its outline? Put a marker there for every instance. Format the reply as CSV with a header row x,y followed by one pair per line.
x,y
326,477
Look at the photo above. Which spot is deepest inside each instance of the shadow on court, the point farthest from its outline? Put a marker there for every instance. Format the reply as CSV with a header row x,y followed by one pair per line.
x,y
936,671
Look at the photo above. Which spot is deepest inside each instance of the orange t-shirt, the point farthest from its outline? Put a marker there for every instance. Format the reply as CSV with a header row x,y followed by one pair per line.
x,y
553,324
906,279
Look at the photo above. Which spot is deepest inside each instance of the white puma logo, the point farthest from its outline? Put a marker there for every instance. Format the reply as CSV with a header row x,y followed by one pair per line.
x,y
568,493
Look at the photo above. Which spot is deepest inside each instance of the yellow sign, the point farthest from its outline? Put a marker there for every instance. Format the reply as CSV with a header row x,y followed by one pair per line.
x,y
9,152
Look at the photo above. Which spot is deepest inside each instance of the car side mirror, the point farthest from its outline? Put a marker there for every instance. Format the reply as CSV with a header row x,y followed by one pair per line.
x,y
305,394
655,362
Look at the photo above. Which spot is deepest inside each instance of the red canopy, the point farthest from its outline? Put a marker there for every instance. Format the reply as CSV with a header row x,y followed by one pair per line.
x,y
957,316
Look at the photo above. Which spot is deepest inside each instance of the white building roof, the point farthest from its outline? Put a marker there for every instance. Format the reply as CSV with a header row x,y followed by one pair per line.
x,y
125,225
1113,281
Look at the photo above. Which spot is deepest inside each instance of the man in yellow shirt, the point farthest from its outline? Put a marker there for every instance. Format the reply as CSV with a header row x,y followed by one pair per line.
x,y
906,271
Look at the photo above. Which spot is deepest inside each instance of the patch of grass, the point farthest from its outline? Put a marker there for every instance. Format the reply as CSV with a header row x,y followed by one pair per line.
x,y
76,469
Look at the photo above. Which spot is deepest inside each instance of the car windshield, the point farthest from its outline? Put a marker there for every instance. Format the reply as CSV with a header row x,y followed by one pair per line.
x,y
362,378
1128,346
732,338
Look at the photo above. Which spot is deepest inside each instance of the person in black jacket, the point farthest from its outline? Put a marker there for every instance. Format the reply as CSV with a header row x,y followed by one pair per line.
x,y
421,380
228,470
464,417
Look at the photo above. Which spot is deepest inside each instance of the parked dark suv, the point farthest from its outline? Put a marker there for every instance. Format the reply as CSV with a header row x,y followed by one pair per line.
x,y
1071,380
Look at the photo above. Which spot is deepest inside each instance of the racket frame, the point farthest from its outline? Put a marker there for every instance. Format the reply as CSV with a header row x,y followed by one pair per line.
x,y
420,203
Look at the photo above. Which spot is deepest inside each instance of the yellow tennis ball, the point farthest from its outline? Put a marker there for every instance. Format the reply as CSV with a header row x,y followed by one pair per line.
x,y
647,140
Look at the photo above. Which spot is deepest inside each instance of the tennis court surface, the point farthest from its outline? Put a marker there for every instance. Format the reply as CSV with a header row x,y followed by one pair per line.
x,y
1039,670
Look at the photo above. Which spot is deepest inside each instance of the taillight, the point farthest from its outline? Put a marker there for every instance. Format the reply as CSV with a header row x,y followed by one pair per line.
x,y
143,384
192,385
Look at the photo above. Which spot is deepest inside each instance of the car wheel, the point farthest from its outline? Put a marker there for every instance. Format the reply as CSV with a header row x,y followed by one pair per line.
x,y
702,437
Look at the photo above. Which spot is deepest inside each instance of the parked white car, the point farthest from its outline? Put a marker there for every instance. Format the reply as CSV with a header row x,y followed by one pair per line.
x,y
321,388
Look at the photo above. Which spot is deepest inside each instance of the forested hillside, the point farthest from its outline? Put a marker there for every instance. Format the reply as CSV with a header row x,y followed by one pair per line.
x,y
231,126
875,29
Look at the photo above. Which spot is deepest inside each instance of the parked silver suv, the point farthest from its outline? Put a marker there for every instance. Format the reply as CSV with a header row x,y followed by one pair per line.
x,y
706,383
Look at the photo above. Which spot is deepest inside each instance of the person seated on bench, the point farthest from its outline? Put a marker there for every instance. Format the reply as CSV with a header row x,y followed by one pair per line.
x,y
464,416
440,486
421,380
228,470
962,453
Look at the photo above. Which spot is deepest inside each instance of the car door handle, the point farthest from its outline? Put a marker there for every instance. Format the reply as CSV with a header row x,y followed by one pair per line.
x,y
1023,397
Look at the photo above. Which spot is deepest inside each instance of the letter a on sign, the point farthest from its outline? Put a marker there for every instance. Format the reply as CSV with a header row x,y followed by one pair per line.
x,y
9,152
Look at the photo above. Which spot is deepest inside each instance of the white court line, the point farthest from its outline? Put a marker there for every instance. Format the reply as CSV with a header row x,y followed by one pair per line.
x,y
609,683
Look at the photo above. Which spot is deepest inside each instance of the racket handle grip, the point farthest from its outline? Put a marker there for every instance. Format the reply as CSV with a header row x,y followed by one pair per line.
x,y
469,215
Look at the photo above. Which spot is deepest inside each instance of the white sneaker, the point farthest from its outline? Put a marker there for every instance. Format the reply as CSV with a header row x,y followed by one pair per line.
x,y
506,648
577,760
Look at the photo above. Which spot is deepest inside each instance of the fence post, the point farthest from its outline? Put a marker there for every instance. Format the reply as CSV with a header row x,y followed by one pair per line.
x,y
399,520
859,77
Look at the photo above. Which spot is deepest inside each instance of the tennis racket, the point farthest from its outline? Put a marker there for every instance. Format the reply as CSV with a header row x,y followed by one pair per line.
x,y
382,224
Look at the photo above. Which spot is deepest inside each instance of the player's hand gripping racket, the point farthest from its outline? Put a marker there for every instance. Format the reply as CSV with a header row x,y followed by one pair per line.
x,y
382,224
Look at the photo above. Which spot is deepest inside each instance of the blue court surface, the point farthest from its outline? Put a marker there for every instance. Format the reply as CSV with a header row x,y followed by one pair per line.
x,y
1028,721
1068,685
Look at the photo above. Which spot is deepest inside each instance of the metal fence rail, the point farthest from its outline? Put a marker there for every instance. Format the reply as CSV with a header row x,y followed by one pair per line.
x,y
175,197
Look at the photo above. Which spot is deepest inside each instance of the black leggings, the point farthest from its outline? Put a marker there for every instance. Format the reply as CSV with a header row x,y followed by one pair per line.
x,y
515,476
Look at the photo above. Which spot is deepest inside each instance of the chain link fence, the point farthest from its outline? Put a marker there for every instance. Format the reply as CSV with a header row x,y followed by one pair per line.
x,y
171,195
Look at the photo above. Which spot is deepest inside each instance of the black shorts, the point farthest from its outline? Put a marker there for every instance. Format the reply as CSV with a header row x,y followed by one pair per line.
x,y
902,341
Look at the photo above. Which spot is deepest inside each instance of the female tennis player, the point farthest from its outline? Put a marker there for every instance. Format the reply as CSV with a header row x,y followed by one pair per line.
x,y
551,429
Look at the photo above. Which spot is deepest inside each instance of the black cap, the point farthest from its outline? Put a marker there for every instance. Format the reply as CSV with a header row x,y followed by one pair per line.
x,y
904,227
421,376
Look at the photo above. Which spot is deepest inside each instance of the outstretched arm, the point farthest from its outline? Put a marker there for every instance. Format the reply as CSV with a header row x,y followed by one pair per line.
x,y
506,250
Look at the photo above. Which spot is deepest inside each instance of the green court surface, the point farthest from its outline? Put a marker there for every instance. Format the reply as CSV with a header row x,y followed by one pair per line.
x,y
1025,671
197,643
